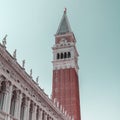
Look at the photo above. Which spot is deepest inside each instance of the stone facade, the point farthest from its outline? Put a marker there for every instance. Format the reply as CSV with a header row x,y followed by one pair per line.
x,y
21,98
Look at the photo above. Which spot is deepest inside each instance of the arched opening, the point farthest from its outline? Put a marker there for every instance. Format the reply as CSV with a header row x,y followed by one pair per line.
x,y
61,55
58,56
12,106
65,55
69,55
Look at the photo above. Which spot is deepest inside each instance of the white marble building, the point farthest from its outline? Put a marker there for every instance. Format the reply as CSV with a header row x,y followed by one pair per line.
x,y
21,98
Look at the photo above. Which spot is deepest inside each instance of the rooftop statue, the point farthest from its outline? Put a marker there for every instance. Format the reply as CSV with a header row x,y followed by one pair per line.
x,y
4,41
23,63
14,54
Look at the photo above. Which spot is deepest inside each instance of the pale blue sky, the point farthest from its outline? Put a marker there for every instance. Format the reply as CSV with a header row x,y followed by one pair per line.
x,y
31,25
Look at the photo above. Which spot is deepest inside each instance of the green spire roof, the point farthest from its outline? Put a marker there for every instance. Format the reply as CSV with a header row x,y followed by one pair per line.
x,y
64,26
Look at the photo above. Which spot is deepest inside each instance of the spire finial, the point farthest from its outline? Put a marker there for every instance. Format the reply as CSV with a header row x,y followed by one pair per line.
x,y
65,10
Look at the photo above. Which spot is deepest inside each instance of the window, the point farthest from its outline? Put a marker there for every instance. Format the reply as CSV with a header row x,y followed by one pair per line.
x,y
58,56
65,55
61,55
69,54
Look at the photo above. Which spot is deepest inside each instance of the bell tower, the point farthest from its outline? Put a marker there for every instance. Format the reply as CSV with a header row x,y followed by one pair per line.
x,y
65,84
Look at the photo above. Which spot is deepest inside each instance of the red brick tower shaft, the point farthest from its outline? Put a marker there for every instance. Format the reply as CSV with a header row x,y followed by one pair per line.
x,y
65,89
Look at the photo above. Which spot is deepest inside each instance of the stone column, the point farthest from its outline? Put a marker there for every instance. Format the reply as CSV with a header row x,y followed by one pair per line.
x,y
45,115
48,117
19,107
4,101
7,97
27,108
38,113
41,113
0,84
25,112
1,95
17,102
34,111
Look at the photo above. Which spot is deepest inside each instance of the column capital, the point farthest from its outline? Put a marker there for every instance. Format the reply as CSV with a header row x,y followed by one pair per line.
x,y
2,78
18,93
8,84
33,105
27,101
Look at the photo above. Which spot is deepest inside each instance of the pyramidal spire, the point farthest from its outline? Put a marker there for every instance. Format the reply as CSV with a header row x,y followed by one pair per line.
x,y
64,26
